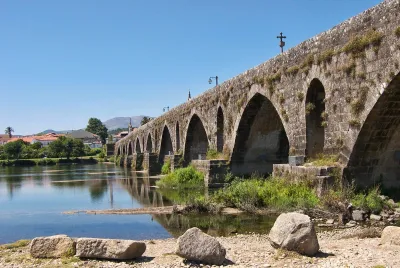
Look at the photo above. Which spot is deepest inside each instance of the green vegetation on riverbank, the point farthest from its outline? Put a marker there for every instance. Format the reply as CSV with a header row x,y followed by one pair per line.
x,y
181,178
274,193
47,161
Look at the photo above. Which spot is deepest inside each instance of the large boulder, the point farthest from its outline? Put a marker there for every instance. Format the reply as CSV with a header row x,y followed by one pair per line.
x,y
391,235
294,231
113,249
194,245
52,247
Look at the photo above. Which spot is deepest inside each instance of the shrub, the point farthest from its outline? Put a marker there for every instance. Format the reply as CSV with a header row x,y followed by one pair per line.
x,y
187,177
166,168
370,201
213,154
309,107
277,193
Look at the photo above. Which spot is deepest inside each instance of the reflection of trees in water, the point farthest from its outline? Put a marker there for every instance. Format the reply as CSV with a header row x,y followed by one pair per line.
x,y
140,189
13,184
97,189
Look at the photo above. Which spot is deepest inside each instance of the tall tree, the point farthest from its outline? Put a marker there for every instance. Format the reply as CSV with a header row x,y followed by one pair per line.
x,y
9,131
95,126
145,120
12,150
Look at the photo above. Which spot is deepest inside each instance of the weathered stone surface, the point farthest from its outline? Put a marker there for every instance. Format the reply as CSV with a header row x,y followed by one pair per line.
x,y
391,235
295,232
330,221
375,217
358,215
115,249
270,99
52,246
195,245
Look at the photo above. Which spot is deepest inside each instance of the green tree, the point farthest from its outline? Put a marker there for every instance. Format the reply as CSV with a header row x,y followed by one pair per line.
x,y
95,126
78,148
145,120
68,147
12,150
56,148
9,131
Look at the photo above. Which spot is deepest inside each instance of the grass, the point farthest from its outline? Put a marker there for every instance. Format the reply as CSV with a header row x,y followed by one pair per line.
x,y
358,44
309,107
16,244
273,192
354,123
397,32
369,201
293,70
324,160
300,96
213,154
187,177
326,56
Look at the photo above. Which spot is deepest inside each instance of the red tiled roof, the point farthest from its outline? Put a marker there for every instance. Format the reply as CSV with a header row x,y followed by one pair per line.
x,y
46,137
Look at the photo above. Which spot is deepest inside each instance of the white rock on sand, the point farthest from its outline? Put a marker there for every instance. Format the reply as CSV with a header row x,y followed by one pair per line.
x,y
294,231
55,246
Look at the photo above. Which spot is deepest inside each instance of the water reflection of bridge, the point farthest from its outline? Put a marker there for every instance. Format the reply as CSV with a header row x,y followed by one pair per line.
x,y
141,189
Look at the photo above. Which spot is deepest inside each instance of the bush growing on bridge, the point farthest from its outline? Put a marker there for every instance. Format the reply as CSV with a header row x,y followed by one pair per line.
x,y
187,177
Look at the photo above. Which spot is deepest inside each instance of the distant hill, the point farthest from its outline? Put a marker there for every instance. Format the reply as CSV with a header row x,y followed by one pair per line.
x,y
122,122
111,124
54,131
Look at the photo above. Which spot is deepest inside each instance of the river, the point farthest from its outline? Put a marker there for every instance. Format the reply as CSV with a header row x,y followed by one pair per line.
x,y
33,199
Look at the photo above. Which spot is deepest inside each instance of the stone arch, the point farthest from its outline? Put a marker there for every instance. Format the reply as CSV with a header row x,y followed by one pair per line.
x,y
149,144
315,106
196,144
118,151
166,144
220,129
177,137
137,146
130,148
261,139
375,158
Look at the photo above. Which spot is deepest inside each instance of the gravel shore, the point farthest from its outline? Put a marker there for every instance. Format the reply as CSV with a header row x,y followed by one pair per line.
x,y
352,247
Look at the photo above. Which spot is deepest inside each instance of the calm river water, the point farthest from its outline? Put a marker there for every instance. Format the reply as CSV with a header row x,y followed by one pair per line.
x,y
32,200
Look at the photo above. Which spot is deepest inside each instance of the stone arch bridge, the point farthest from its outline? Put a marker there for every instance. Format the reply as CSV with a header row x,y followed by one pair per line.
x,y
336,93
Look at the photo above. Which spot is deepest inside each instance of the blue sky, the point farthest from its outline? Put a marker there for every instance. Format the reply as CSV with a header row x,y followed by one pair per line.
x,y
62,62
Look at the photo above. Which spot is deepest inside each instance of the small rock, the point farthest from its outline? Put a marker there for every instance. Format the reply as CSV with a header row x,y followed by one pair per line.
x,y
330,221
55,246
375,217
294,231
195,245
391,235
351,224
114,249
383,197
358,215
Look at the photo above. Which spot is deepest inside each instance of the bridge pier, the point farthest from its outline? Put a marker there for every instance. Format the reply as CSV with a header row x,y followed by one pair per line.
x,y
137,161
151,163
323,176
214,171
127,160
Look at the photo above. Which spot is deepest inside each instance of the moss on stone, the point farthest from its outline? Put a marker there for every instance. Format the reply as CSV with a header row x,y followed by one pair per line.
x,y
397,32
358,44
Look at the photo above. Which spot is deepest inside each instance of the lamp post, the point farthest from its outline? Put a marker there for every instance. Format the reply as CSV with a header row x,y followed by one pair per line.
x,y
211,79
166,109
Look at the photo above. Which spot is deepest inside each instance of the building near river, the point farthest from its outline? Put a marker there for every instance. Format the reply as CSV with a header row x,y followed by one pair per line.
x,y
88,138
43,139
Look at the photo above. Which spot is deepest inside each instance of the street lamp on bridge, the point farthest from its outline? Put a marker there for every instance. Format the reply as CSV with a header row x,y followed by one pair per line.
x,y
211,79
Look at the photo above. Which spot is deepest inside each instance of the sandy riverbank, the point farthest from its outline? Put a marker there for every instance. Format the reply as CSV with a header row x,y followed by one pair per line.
x,y
339,248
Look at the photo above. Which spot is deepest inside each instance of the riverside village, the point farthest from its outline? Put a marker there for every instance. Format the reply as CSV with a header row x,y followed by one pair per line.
x,y
292,163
